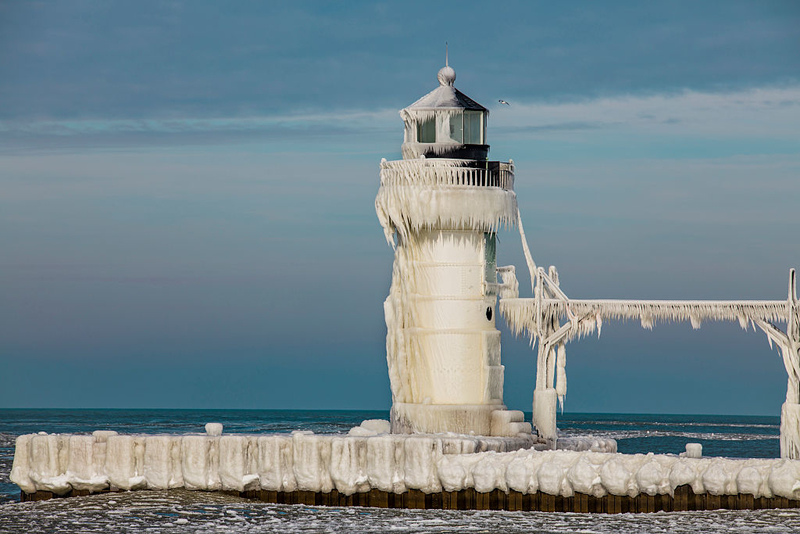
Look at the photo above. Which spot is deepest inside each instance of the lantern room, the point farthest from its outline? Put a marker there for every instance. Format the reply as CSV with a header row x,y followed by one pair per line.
x,y
445,123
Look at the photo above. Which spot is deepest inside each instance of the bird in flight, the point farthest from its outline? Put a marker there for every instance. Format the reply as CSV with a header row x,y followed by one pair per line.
x,y
504,102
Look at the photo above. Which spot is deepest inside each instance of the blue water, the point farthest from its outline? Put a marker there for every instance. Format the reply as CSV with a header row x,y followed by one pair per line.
x,y
733,436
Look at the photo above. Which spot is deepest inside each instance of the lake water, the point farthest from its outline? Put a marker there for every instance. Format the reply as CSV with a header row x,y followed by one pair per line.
x,y
184,511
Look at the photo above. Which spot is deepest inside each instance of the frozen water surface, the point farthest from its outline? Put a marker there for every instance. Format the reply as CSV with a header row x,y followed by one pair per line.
x,y
184,511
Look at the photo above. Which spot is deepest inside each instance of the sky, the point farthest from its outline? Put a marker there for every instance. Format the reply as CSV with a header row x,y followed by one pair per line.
x,y
187,192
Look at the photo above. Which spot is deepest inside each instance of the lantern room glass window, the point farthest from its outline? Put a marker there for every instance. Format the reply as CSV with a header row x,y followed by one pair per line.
x,y
473,127
457,127
426,131
467,128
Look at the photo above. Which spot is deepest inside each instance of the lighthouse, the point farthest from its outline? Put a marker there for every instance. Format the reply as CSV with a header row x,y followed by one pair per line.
x,y
440,208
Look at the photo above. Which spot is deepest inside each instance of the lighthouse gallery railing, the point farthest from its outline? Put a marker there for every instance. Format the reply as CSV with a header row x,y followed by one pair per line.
x,y
452,172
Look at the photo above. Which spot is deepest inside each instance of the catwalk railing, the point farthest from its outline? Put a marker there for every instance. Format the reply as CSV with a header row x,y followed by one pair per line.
x,y
452,172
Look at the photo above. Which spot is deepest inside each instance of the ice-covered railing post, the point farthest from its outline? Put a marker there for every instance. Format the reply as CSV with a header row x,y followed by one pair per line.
x,y
789,346
440,208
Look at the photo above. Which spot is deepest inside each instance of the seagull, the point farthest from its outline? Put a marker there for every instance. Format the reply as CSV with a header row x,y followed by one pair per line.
x,y
504,102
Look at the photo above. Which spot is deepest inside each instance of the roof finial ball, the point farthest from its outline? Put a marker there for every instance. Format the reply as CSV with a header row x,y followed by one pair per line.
x,y
446,76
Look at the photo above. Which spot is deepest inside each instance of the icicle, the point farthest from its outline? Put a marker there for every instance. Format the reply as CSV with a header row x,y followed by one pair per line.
x,y
527,252
742,322
561,375
599,322
523,315
509,289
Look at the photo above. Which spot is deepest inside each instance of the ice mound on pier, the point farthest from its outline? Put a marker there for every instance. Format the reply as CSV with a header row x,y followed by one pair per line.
x,y
303,461
289,462
371,427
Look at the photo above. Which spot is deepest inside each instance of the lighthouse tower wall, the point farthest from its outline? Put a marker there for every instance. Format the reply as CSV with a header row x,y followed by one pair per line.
x,y
449,329
443,349
440,208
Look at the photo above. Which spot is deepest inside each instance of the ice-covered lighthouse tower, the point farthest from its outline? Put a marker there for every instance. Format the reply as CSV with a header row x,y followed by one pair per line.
x,y
440,207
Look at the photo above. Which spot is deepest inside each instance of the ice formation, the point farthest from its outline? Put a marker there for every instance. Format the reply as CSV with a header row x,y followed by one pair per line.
x,y
304,461
441,214
439,112
540,317
424,194
368,457
694,450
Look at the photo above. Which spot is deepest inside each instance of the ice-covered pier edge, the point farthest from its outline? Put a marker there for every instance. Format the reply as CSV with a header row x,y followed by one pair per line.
x,y
371,459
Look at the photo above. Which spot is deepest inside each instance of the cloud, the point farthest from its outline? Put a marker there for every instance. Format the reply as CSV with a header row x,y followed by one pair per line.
x,y
556,127
203,59
763,114
765,111
98,133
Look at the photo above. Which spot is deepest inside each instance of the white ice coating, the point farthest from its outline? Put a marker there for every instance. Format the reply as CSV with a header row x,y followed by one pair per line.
x,y
214,429
302,460
694,450
439,105
443,350
519,313
394,463
417,194
540,317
